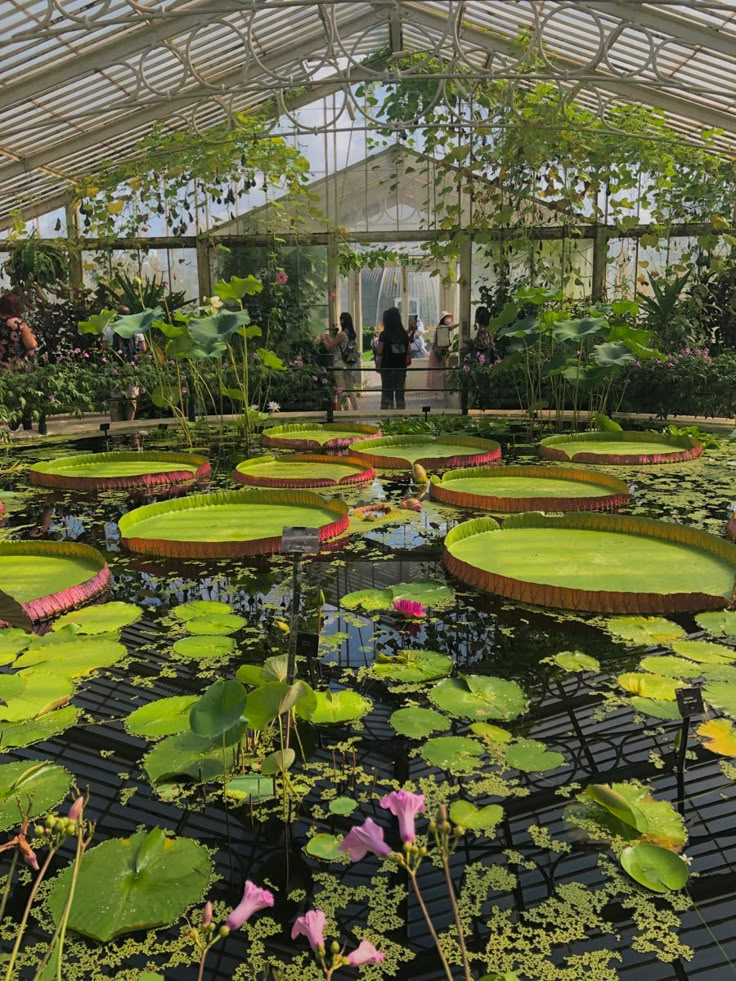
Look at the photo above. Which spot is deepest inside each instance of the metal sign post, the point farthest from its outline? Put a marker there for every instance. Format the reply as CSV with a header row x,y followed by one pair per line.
x,y
689,702
298,542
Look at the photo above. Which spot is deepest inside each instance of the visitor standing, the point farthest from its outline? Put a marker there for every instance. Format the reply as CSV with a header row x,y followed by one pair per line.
x,y
482,344
393,356
344,346
17,346
416,337
439,353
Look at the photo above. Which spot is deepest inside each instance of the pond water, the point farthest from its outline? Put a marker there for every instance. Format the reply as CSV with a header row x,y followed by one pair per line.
x,y
544,899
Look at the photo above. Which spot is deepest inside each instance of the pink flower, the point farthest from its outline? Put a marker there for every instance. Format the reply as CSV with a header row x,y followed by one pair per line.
x,y
29,856
405,806
282,277
364,838
409,608
254,898
207,914
311,926
75,811
365,953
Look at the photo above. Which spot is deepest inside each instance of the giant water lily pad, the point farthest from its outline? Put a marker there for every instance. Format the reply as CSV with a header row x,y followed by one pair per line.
x,y
38,786
628,811
477,696
645,631
310,436
532,756
632,448
435,452
14,735
118,470
655,868
719,736
432,595
228,524
303,470
31,693
456,754
411,666
467,815
339,706
164,717
418,723
596,562
130,884
103,619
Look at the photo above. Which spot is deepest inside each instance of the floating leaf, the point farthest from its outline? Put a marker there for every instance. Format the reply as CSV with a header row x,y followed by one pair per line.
x,y
12,642
70,660
532,756
31,693
418,723
147,881
368,599
645,631
339,706
671,667
576,661
164,717
704,651
218,709
719,736
467,815
103,619
655,707
432,595
216,624
654,868
204,646
411,666
650,685
628,811
721,695
250,786
479,697
325,848
494,734
456,754
718,622
187,755
342,806
38,786
14,735
200,608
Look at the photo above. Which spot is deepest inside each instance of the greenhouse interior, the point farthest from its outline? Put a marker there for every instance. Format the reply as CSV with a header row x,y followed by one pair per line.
x,y
368,490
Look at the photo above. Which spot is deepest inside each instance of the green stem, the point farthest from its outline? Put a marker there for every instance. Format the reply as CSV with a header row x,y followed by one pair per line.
x,y
60,932
27,912
456,914
203,958
430,926
9,882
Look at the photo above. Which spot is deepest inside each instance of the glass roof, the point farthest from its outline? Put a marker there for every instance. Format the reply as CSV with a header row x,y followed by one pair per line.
x,y
81,81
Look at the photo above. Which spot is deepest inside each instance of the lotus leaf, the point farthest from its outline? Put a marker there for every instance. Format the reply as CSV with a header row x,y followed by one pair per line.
x,y
718,622
218,709
147,881
645,631
628,811
532,756
186,755
102,619
721,695
650,685
14,735
270,700
574,330
273,669
66,660
200,608
204,646
12,642
342,806
136,323
671,667
411,666
576,661
494,734
418,723
31,693
704,651
479,697
164,717
655,868
719,736
325,848
467,815
655,707
339,706
215,624
456,754
278,762
37,786
250,786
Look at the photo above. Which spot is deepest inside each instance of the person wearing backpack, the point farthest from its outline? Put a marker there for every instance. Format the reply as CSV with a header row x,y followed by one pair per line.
x,y
346,358
393,357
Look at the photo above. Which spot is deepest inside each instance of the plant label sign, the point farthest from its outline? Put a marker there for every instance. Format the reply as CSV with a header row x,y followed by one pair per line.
x,y
690,702
307,645
300,541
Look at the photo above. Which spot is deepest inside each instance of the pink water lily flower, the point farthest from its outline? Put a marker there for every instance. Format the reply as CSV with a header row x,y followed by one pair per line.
x,y
254,898
312,926
405,806
364,838
365,953
409,608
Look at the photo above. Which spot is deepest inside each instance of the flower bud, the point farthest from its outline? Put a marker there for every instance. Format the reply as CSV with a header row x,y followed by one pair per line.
x,y
51,821
335,947
75,811
223,931
207,914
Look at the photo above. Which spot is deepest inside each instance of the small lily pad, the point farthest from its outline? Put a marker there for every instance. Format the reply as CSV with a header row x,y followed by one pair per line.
x,y
467,815
216,624
532,756
645,631
200,608
650,685
721,695
418,723
325,848
102,619
411,666
670,666
204,646
655,707
456,754
704,651
342,806
719,736
718,622
655,868
339,706
494,734
12,642
479,697
37,784
164,717
250,786
15,735
576,661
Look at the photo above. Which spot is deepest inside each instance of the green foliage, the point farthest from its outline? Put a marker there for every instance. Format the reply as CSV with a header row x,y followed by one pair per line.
x,y
479,697
655,868
30,787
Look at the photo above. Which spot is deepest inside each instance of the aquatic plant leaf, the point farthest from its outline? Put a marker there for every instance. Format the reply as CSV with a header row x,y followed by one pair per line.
x,y
721,695
655,868
31,693
250,675
670,667
71,660
14,735
204,646
532,756
102,619
164,717
501,976
645,631
368,599
576,661
342,806
628,811
186,755
704,651
479,697
456,754
267,702
12,642
718,622
250,786
278,762
338,706
463,813
325,848
418,723
432,595
719,736
655,707
411,666
200,608
37,785
216,624
218,709
147,881
650,685
494,734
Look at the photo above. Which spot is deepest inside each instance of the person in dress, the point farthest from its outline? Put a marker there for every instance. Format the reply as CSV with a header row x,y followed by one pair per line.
x,y
393,356
346,358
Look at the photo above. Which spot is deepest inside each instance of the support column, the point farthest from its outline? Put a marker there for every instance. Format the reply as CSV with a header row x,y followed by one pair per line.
x,y
76,268
333,266
466,285
204,271
600,262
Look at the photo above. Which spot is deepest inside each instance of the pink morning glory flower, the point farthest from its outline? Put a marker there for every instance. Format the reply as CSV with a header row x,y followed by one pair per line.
x,y
311,926
366,953
364,838
254,898
405,806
